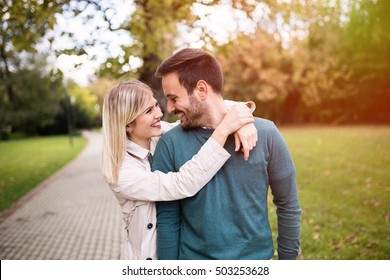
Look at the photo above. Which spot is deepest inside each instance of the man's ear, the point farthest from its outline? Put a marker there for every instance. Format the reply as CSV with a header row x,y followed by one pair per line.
x,y
202,89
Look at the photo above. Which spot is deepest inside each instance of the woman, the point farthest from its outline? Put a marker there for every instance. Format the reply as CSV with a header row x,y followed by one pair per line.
x,y
131,127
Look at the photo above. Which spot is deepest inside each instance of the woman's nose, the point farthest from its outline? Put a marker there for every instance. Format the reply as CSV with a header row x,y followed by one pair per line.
x,y
159,113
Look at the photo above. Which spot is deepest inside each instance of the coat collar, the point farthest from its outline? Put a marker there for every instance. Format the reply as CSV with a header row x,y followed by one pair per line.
x,y
136,150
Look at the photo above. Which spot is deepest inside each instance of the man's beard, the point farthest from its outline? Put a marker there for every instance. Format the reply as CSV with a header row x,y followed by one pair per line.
x,y
193,115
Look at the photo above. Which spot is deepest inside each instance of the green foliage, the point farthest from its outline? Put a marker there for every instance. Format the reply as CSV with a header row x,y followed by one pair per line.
x,y
33,98
85,107
308,61
343,184
154,27
253,67
367,46
24,23
337,72
36,97
29,92
151,27
24,163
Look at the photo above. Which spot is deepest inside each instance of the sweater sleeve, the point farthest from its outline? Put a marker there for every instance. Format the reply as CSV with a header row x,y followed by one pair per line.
x,y
282,178
168,213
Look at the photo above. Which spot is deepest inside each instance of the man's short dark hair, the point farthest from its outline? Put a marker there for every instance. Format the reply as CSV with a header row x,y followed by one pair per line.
x,y
192,65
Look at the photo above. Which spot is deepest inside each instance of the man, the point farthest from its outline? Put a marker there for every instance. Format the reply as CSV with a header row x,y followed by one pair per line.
x,y
228,219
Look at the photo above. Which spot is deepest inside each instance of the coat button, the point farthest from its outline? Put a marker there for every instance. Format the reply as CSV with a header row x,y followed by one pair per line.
x,y
148,259
150,225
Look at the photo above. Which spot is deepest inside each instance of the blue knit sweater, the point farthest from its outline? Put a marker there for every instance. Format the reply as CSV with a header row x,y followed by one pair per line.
x,y
228,219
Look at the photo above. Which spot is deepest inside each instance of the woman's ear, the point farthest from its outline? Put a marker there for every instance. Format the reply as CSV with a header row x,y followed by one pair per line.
x,y
129,128
202,89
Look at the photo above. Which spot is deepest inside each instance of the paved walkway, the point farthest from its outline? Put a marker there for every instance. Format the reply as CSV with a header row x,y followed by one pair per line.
x,y
73,215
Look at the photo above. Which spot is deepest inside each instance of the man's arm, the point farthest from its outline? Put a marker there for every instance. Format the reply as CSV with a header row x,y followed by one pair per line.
x,y
168,213
282,178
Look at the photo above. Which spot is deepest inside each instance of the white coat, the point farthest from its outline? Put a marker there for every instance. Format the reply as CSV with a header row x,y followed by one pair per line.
x,y
138,188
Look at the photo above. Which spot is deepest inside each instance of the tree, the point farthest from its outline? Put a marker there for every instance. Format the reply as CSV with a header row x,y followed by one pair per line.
x,y
153,34
318,74
99,89
154,29
366,44
325,70
312,74
253,70
33,99
85,107
23,24
37,94
286,82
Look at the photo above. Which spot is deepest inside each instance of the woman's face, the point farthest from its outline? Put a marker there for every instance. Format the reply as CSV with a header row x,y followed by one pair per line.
x,y
147,125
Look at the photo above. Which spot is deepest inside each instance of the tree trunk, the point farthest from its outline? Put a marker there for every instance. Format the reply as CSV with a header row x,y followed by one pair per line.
x,y
7,77
147,77
289,107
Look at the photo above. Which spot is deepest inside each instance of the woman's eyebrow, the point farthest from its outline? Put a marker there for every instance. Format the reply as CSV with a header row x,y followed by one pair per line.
x,y
148,108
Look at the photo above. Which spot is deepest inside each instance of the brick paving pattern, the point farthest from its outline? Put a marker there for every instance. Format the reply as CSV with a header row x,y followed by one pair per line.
x,y
73,215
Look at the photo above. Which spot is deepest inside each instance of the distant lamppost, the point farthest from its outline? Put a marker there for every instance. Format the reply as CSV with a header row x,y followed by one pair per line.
x,y
72,102
97,114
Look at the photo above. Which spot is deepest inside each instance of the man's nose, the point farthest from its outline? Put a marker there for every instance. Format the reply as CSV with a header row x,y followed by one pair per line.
x,y
170,107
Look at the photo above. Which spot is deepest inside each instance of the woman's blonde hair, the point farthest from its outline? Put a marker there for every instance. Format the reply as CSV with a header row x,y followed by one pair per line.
x,y
123,103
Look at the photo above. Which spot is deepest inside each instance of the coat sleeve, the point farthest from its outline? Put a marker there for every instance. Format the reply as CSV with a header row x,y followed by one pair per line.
x,y
136,183
229,104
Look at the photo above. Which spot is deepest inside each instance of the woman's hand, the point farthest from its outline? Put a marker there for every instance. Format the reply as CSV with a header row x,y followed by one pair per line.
x,y
236,118
239,116
246,139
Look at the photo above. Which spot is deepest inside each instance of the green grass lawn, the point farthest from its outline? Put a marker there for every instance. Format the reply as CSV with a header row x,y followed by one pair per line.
x,y
343,176
24,163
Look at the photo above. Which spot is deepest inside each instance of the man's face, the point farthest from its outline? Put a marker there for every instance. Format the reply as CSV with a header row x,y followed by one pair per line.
x,y
188,108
